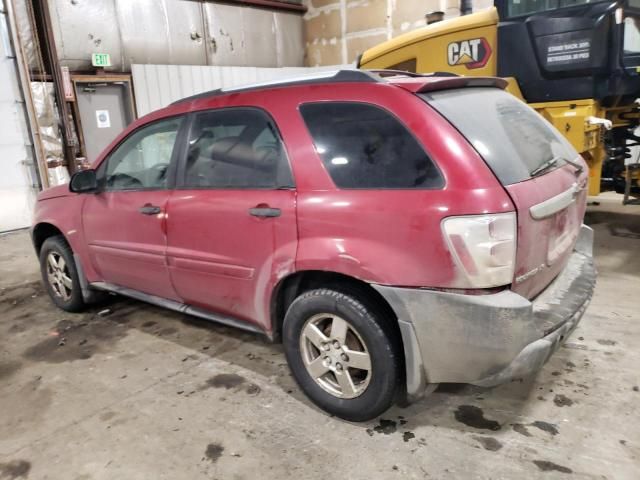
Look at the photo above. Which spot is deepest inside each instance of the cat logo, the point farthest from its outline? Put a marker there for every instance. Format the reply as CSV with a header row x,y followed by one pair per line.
x,y
472,53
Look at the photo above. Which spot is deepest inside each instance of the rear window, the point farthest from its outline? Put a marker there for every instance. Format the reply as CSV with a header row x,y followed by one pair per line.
x,y
363,146
513,139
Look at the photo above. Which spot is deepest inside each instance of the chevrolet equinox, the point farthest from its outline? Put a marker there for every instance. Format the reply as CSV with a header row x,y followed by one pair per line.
x,y
394,231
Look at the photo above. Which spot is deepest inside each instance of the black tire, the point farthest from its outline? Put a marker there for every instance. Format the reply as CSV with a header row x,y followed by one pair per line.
x,y
59,247
375,331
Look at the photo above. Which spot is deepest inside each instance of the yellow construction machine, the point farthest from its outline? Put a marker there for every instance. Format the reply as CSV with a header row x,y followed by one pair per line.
x,y
576,62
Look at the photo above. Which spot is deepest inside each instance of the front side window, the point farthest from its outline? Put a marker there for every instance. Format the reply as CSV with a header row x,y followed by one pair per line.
x,y
235,148
142,160
364,146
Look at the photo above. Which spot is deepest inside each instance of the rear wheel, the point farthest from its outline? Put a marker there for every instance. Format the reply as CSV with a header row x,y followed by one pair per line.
x,y
59,274
343,353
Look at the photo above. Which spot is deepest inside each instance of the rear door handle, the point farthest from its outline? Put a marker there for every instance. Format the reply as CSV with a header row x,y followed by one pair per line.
x,y
265,212
149,209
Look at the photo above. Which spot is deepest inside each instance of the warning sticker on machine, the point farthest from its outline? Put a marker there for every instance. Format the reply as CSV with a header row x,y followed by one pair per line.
x,y
566,53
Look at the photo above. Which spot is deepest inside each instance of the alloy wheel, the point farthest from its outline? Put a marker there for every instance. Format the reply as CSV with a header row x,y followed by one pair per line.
x,y
335,355
59,276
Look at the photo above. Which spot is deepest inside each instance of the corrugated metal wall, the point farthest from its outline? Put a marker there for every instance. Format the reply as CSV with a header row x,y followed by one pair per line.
x,y
156,86
178,32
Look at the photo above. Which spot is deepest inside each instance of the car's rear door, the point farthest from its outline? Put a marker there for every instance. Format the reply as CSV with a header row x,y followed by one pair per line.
x,y
231,226
125,222
545,177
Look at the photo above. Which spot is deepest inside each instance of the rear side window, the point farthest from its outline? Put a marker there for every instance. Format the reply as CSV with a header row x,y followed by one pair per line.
x,y
363,146
514,140
235,148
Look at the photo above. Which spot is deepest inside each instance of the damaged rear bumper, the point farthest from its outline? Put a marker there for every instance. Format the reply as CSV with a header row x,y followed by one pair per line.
x,y
490,339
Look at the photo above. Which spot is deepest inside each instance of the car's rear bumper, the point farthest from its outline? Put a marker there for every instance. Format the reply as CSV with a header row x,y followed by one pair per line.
x,y
490,339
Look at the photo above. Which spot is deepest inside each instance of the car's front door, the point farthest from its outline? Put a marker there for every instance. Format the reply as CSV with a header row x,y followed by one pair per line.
x,y
231,227
125,223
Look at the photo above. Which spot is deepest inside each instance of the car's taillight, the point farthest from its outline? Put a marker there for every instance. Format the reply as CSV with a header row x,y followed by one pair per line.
x,y
483,247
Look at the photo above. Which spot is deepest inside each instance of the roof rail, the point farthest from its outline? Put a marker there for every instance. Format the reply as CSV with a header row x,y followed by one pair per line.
x,y
331,76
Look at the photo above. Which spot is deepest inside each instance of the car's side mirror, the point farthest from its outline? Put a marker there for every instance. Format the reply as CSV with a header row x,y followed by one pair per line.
x,y
84,181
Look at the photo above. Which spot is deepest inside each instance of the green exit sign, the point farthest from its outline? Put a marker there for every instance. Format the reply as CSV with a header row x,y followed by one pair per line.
x,y
100,59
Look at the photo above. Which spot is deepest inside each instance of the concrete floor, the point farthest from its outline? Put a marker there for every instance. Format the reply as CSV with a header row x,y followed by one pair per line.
x,y
143,393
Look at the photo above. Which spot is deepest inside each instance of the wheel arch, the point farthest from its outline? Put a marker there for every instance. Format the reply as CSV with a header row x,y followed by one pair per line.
x,y
293,285
42,231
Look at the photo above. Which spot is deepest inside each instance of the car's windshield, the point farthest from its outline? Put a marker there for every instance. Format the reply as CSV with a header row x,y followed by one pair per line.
x,y
514,140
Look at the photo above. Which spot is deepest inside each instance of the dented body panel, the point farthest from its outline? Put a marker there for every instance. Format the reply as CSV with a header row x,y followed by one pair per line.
x,y
490,339
546,242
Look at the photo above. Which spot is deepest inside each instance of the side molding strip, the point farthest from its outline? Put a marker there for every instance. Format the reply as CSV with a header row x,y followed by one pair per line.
x,y
178,307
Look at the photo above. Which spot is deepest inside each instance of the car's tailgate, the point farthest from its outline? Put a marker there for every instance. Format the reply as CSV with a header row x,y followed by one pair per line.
x,y
550,212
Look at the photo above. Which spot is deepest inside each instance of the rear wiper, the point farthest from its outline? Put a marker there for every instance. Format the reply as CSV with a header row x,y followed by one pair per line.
x,y
550,163
545,166
575,164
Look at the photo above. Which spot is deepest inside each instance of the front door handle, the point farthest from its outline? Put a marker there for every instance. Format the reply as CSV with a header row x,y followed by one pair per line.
x,y
149,209
265,212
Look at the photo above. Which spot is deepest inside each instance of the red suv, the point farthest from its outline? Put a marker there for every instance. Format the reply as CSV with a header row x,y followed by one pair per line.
x,y
393,231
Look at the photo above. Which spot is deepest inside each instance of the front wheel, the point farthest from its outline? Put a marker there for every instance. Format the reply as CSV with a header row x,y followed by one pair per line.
x,y
59,274
343,353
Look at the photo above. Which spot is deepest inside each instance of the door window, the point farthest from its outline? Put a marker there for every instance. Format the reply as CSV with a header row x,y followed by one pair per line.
x,y
235,148
364,146
142,161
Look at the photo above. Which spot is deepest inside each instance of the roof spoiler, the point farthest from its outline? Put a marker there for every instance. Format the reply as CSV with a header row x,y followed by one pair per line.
x,y
447,83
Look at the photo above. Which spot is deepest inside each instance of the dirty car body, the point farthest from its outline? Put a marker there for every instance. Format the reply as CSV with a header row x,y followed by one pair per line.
x,y
445,210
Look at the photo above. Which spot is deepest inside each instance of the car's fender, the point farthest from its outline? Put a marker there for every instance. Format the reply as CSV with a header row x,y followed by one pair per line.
x,y
64,212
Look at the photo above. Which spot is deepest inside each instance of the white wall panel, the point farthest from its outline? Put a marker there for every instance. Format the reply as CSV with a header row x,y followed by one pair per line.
x,y
156,86
17,193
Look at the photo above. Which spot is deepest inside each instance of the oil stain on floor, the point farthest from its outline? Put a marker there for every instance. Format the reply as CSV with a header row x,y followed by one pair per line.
x,y
488,443
384,426
213,452
562,400
547,466
15,469
473,416
231,381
